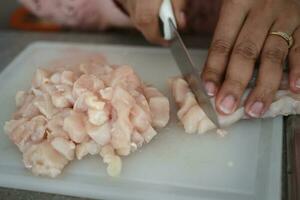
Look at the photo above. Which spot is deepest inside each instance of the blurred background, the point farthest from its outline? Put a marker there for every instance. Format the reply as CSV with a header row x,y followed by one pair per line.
x,y
7,7
94,16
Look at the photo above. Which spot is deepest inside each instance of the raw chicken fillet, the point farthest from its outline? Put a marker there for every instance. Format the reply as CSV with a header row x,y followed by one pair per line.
x,y
93,108
194,120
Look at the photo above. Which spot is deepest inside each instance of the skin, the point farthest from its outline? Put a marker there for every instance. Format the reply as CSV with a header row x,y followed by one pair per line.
x,y
241,38
144,15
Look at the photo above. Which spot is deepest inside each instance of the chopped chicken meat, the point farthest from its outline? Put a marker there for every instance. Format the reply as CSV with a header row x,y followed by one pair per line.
x,y
93,108
194,119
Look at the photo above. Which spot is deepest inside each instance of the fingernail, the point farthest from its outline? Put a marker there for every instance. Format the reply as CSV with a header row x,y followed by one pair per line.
x,y
210,88
228,104
298,83
256,109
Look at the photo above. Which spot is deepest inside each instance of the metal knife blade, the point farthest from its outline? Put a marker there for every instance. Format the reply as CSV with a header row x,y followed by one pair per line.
x,y
191,75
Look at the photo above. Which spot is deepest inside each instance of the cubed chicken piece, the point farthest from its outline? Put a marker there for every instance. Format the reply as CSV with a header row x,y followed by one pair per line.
x,y
106,152
62,97
44,160
114,162
139,118
192,119
56,78
64,147
160,110
97,117
188,102
46,88
45,105
24,132
103,72
37,127
137,139
121,136
143,103
159,106
125,150
106,93
68,77
11,125
125,76
205,125
20,98
80,103
74,125
149,134
179,88
17,132
86,83
114,166
60,101
85,148
122,102
37,92
55,125
100,134
94,102
41,77
95,68
27,109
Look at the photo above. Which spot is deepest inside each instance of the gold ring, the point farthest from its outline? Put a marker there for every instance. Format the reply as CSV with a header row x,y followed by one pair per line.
x,y
288,38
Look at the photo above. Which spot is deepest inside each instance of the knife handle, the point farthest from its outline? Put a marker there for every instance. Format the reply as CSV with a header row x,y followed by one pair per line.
x,y
166,13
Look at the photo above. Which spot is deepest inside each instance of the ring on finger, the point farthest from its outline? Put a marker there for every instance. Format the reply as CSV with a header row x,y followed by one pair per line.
x,y
288,38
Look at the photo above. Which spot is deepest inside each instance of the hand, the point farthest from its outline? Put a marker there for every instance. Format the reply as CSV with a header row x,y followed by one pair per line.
x,y
240,39
145,16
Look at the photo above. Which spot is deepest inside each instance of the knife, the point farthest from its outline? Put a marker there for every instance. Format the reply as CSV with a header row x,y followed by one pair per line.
x,y
184,61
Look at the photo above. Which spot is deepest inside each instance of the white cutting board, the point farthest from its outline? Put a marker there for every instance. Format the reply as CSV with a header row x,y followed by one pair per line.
x,y
245,165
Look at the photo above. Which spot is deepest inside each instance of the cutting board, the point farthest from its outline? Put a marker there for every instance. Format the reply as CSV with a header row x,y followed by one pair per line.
x,y
245,165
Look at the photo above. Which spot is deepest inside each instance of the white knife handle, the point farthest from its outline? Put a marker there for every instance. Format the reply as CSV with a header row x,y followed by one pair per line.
x,y
166,13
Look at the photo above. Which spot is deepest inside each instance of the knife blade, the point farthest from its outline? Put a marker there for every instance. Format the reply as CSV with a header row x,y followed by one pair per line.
x,y
191,75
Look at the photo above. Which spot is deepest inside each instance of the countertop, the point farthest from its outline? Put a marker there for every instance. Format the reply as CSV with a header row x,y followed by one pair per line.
x,y
13,42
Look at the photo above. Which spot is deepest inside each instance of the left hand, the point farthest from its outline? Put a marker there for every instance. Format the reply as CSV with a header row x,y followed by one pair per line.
x,y
242,37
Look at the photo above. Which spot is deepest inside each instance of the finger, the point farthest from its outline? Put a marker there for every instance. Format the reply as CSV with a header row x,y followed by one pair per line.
x,y
227,29
242,60
145,17
178,7
294,63
273,56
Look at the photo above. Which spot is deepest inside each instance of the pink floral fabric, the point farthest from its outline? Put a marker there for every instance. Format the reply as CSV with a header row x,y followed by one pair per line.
x,y
86,14
201,15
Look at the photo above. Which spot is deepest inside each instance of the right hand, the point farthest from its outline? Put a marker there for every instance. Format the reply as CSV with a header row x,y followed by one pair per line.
x,y
145,16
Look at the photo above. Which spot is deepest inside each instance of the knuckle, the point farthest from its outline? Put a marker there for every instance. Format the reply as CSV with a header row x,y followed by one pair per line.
x,y
265,91
275,55
220,46
246,49
144,18
267,87
212,74
235,84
